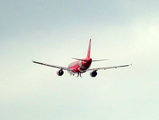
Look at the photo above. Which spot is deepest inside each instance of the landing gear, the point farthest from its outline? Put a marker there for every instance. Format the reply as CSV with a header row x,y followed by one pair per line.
x,y
79,74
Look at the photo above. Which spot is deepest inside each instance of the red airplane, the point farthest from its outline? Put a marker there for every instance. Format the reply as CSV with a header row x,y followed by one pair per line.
x,y
81,65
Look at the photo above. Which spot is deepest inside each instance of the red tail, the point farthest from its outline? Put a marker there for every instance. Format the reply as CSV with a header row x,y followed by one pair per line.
x,y
89,49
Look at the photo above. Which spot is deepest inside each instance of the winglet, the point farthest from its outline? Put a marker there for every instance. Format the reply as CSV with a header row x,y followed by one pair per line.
x,y
89,49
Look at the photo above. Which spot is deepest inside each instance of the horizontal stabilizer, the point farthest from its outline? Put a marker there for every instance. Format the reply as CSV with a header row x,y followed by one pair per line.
x,y
79,59
99,60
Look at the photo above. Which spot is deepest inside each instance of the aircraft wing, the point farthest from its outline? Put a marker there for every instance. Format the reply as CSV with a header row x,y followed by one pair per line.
x,y
104,68
54,66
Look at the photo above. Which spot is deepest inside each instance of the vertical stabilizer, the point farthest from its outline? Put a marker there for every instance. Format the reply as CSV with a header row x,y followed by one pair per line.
x,y
89,49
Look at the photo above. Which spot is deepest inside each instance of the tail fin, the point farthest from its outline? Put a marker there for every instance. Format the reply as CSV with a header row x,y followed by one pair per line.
x,y
89,49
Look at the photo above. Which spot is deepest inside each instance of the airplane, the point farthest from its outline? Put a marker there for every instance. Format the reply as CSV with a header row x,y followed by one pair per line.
x,y
81,65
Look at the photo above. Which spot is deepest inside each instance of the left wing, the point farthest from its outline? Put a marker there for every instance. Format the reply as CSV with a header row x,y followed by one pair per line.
x,y
104,68
54,66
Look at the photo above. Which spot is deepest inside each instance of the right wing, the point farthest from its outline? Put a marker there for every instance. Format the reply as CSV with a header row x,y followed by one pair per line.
x,y
104,68
54,66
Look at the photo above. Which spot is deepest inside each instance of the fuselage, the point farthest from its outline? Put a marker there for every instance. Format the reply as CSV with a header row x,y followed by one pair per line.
x,y
80,66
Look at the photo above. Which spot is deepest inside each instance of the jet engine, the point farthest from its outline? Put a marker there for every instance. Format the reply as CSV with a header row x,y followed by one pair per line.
x,y
60,72
93,73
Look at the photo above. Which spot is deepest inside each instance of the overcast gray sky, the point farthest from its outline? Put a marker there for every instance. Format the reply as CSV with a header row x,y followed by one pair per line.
x,y
52,31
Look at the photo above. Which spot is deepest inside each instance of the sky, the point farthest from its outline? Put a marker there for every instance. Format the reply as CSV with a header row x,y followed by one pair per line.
x,y
125,32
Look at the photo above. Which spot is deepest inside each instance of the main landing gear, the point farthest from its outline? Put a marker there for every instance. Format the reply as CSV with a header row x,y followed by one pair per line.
x,y
79,74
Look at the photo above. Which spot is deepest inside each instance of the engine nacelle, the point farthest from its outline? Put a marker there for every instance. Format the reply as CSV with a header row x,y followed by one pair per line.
x,y
60,72
93,74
